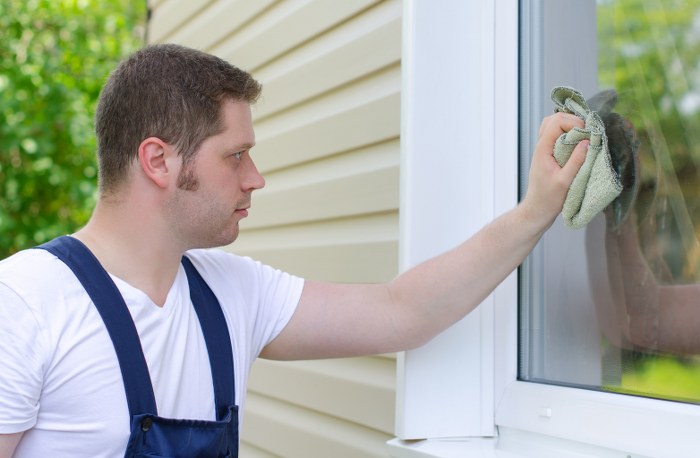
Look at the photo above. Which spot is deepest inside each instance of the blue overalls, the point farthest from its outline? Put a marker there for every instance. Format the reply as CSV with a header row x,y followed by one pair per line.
x,y
151,435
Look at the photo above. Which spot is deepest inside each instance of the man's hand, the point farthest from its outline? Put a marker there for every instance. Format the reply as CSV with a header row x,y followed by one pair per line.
x,y
549,183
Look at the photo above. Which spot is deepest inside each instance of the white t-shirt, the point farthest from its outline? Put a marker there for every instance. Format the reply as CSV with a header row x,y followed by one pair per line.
x,y
59,376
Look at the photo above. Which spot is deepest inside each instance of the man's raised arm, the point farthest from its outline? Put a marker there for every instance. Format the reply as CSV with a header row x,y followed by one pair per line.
x,y
336,320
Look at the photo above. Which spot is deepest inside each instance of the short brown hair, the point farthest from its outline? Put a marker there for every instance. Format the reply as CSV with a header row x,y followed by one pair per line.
x,y
166,91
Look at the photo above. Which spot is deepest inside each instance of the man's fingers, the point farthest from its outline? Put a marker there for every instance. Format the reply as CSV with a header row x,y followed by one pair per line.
x,y
555,125
578,156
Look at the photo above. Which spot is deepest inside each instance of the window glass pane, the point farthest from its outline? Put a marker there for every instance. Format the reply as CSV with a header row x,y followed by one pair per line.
x,y
615,306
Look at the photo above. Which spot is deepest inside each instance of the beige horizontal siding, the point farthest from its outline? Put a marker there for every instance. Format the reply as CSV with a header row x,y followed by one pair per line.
x,y
327,132
343,55
335,187
170,15
290,431
344,120
360,390
247,450
217,22
336,250
288,26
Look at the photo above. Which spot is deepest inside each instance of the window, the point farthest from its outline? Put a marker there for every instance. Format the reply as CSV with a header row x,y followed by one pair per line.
x,y
615,306
537,370
609,315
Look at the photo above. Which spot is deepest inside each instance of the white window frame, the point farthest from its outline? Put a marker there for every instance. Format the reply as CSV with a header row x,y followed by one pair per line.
x,y
459,395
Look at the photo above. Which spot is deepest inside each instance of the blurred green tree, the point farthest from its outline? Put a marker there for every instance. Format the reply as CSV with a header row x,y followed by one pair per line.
x,y
54,57
649,52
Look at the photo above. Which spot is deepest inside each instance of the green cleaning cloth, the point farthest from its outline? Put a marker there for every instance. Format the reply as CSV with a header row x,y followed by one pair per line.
x,y
596,184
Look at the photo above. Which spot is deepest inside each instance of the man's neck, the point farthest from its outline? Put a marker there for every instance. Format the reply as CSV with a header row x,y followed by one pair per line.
x,y
132,246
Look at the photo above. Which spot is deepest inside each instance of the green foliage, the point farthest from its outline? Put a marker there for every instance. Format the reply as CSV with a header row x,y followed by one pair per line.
x,y
54,57
648,52
659,376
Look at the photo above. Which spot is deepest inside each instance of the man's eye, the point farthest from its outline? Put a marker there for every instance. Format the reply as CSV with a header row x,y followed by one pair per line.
x,y
238,155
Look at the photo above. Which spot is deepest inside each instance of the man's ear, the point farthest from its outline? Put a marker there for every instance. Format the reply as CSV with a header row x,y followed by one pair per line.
x,y
154,160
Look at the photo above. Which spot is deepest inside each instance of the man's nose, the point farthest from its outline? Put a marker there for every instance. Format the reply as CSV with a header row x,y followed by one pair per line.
x,y
253,178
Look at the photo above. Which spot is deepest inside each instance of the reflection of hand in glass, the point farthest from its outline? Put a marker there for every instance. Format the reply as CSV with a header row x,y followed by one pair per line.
x,y
650,315
653,316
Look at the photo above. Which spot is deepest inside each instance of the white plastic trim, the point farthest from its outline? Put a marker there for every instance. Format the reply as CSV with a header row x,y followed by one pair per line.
x,y
447,193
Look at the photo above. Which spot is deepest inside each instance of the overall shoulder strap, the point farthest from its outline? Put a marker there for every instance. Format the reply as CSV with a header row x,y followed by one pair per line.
x,y
115,314
216,336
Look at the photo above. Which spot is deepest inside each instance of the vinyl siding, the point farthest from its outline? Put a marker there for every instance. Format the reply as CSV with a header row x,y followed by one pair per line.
x,y
327,130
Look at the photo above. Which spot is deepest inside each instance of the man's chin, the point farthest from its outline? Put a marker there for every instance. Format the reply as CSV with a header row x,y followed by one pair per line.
x,y
217,242
228,239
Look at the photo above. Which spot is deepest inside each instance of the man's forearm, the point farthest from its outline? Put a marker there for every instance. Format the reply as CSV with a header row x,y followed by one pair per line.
x,y
442,290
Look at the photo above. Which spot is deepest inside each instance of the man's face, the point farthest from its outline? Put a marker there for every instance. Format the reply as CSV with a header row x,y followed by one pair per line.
x,y
214,190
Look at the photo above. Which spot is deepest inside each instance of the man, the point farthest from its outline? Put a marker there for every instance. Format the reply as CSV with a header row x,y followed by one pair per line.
x,y
175,136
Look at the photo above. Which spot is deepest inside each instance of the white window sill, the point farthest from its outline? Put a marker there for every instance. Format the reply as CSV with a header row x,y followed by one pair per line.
x,y
446,448
512,443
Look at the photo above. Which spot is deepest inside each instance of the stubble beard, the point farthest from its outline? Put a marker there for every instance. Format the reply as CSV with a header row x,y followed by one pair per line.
x,y
200,222
187,179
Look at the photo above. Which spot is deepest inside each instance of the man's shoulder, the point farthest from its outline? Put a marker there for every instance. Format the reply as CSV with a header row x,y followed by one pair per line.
x,y
31,269
30,260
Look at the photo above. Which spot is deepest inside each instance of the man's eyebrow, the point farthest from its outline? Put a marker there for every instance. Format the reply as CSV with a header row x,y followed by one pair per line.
x,y
243,146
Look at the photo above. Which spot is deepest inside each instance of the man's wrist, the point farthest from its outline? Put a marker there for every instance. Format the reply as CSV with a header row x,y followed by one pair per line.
x,y
532,220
